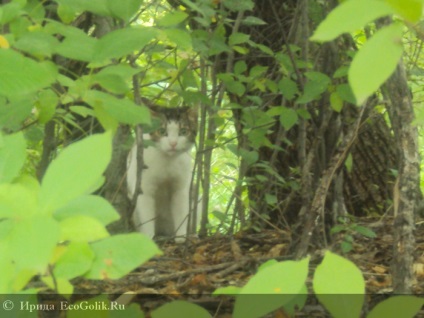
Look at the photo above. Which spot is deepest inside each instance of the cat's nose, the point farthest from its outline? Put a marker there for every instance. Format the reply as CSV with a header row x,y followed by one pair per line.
x,y
173,144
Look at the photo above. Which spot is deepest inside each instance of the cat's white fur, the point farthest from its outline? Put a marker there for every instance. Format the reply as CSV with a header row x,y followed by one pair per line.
x,y
162,209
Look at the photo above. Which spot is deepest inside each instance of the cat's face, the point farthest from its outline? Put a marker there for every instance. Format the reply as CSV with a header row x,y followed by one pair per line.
x,y
177,131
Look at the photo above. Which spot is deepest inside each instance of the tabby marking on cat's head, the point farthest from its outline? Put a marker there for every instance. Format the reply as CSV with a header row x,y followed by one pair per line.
x,y
177,131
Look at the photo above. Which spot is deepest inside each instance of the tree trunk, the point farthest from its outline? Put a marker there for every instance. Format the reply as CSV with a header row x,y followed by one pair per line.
x,y
407,190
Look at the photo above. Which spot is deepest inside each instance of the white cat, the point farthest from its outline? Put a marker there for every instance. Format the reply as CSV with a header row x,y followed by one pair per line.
x,y
163,207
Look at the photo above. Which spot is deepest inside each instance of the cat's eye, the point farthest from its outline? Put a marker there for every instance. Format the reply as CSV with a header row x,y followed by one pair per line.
x,y
162,131
183,131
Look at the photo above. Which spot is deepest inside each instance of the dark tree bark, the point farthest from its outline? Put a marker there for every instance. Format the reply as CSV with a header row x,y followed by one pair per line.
x,y
115,189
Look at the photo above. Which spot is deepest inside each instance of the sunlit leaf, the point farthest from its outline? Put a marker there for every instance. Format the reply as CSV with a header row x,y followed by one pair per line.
x,y
124,10
13,111
47,102
339,286
272,287
74,172
122,110
410,10
376,61
12,156
172,18
20,75
75,261
113,261
397,306
122,42
32,241
37,43
180,309
336,102
89,205
82,228
340,20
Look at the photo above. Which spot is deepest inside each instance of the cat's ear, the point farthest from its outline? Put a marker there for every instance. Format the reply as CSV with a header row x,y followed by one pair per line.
x,y
154,108
193,112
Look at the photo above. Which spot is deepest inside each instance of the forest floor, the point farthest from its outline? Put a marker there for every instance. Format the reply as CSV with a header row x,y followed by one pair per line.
x,y
193,270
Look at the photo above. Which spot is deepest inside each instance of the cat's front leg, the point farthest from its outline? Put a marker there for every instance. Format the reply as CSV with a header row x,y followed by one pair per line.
x,y
144,215
180,210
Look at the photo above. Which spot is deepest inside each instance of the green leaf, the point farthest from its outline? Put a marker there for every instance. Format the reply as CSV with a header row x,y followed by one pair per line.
x,y
341,72
124,10
288,88
12,156
349,162
267,263
397,306
336,102
232,85
32,241
288,117
380,54
14,111
106,120
132,310
172,18
112,261
75,261
316,85
77,46
238,38
62,286
337,275
82,111
66,13
81,228
240,67
115,77
251,20
257,71
10,11
180,37
180,309
122,42
20,75
37,43
340,20
113,83
122,110
99,7
115,310
239,5
410,10
297,303
346,246
250,157
89,205
19,200
345,92
365,231
47,102
227,290
75,171
280,283
122,70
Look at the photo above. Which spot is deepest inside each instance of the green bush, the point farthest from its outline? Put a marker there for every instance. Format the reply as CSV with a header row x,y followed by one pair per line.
x,y
56,229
